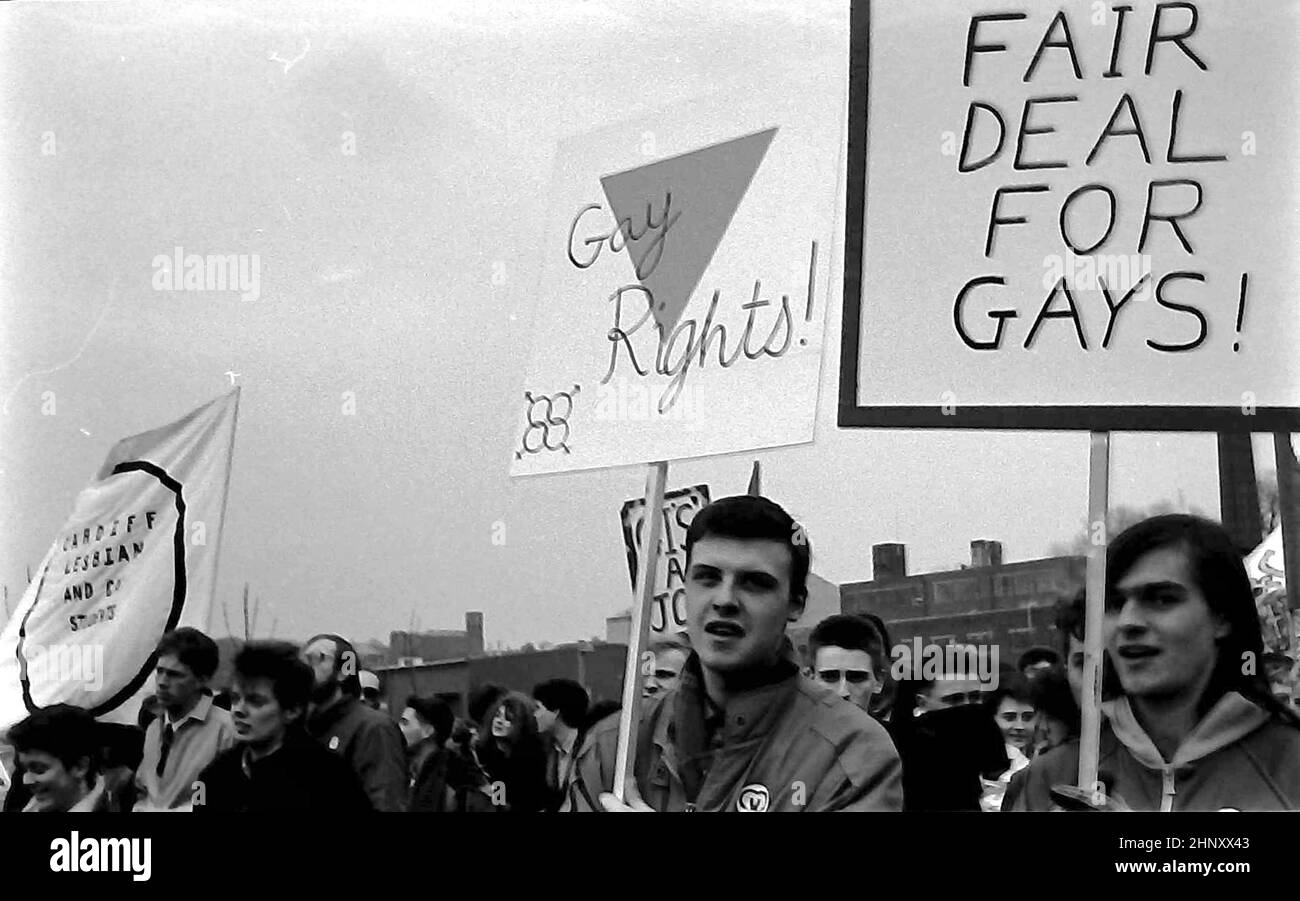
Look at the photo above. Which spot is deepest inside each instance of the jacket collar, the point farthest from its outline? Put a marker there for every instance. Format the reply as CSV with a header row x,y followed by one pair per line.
x,y
750,713
198,712
327,716
1232,718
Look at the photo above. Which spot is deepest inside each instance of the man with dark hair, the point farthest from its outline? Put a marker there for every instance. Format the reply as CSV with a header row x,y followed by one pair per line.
x,y
848,657
481,700
274,767
1070,625
189,731
426,725
744,730
368,740
1188,721
58,751
561,713
882,705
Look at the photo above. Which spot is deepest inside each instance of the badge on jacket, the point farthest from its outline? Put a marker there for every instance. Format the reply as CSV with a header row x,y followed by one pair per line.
x,y
753,799
334,742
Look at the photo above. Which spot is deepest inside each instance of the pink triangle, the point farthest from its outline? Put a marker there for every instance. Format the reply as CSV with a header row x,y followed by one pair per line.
x,y
674,212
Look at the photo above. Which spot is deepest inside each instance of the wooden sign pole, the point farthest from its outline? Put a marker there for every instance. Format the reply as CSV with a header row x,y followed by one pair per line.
x,y
1095,605
629,717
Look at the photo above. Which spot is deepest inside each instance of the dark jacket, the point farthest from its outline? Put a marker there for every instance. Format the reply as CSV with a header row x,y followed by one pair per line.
x,y
518,779
371,744
430,791
944,753
786,744
1238,757
467,781
300,776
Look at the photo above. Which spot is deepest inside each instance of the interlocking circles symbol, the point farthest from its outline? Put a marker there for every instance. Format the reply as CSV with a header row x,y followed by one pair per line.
x,y
545,422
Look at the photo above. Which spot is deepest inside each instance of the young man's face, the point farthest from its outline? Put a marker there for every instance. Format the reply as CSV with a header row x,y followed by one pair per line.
x,y
177,686
259,719
54,787
412,728
667,673
848,673
738,601
949,692
1074,670
1159,630
545,718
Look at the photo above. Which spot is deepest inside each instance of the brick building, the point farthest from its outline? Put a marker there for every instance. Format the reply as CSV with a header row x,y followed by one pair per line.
x,y
597,667
1011,605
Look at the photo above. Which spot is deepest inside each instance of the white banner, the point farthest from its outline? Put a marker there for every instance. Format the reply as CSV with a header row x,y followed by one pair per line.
x,y
137,557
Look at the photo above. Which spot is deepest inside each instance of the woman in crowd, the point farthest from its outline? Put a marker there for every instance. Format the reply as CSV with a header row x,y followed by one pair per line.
x,y
59,750
513,755
1012,707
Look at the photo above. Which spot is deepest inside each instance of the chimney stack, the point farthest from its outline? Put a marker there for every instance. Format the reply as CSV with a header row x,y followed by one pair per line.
x,y
985,553
473,634
888,561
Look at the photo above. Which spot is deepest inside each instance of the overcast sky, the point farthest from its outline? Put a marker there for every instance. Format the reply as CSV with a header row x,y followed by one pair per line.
x,y
173,126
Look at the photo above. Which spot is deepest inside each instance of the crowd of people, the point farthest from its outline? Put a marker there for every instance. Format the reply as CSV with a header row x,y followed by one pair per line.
x,y
730,717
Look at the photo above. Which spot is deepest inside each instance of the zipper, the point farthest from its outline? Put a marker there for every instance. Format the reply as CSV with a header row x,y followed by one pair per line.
x,y
1167,793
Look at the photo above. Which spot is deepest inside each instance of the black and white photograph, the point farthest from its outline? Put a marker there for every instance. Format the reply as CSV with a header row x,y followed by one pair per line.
x,y
595,406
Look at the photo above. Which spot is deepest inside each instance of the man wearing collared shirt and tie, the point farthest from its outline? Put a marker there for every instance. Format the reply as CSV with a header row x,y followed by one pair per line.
x,y
190,730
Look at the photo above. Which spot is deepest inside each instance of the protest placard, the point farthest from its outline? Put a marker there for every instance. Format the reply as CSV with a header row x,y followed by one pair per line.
x,y
683,290
668,613
1073,215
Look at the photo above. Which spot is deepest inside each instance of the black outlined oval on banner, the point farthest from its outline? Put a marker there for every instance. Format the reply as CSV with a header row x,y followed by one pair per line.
x,y
179,586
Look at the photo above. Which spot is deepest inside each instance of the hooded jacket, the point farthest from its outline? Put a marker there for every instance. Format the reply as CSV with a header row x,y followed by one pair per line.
x,y
1236,758
786,744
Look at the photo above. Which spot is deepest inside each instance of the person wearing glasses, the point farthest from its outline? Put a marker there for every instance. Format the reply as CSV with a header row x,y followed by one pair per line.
x,y
849,658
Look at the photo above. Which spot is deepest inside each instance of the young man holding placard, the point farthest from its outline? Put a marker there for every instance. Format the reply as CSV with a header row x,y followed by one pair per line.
x,y
1189,720
744,730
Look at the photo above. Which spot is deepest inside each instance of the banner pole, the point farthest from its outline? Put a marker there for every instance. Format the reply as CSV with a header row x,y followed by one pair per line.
x,y
629,719
1098,501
